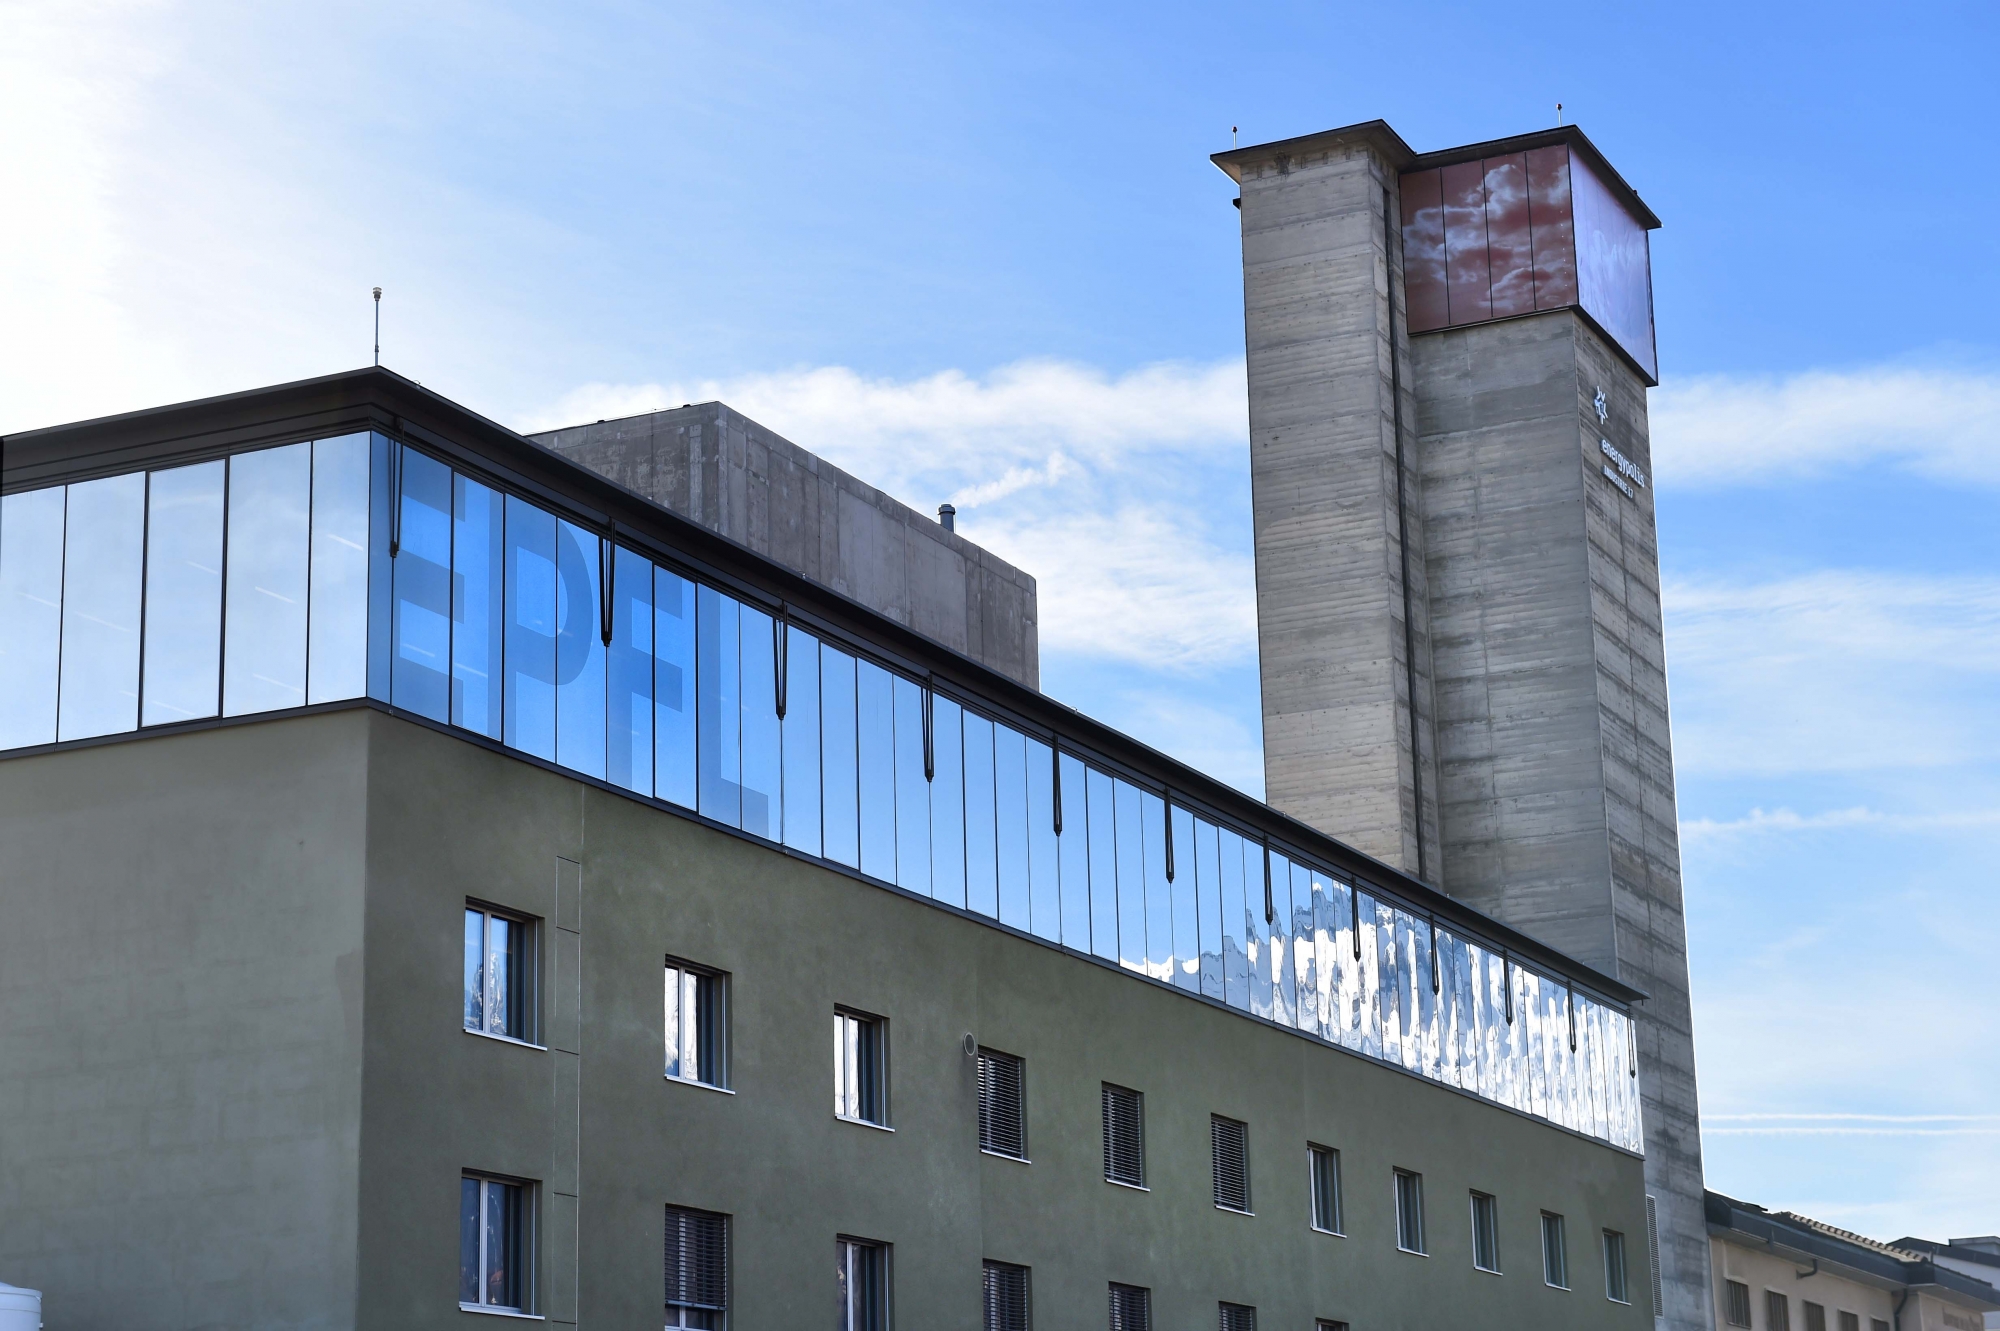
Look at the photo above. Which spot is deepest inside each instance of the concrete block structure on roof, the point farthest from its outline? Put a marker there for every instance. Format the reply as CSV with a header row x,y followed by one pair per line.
x,y
723,470
1457,566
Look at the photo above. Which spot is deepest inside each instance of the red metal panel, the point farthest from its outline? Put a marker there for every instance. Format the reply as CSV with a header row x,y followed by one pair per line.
x,y
1554,225
1468,272
1423,252
1508,239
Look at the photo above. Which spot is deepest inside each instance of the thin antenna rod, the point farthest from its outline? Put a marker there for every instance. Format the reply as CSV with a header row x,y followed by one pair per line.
x,y
378,325
1559,113
1232,136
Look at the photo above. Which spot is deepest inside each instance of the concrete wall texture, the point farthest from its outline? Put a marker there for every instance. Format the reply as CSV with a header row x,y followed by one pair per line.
x,y
717,467
254,934
1536,665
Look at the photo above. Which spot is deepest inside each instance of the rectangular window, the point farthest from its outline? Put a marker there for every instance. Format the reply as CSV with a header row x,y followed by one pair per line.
x,y
1736,1295
1124,1142
1131,1308
1409,1211
499,973
697,1266
493,1246
1777,1311
1555,1254
1003,1126
1485,1232
1324,1325
1877,1324
1815,1317
859,1074
1229,1152
1614,1274
861,1271
697,1024
1325,1165
1004,1289
1236,1317
1850,1322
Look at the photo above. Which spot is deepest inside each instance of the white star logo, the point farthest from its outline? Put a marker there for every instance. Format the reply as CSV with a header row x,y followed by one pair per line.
x,y
1603,412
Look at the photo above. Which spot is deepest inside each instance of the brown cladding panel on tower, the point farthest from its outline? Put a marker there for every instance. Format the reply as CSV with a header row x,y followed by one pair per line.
x,y
1423,251
1509,239
1468,271
1554,228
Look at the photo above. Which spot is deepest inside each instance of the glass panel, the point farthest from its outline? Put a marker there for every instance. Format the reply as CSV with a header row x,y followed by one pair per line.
x,y
1186,911
579,650
1235,920
1507,236
913,790
475,970
31,565
1613,265
838,760
421,608
1044,873
1381,1031
478,604
1553,227
381,568
1305,952
982,858
801,741
1129,830
530,566
1103,865
103,557
1010,823
763,812
875,742
264,645
671,1002
1073,848
673,689
499,975
1261,900
1423,251
948,801
1207,869
718,677
338,632
1284,988
1159,900
184,593
1468,278
468,1240
628,673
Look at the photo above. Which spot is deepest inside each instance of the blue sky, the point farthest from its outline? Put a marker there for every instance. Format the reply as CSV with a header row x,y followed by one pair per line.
x,y
977,252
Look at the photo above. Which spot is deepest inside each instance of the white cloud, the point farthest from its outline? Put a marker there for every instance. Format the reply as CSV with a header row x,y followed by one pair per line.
x,y
1833,672
1779,822
1719,430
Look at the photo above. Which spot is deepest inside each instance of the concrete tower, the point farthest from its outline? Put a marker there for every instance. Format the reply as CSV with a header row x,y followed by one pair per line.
x,y
1457,571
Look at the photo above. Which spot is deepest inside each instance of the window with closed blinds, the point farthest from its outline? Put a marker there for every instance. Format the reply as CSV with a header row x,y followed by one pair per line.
x,y
1131,1308
1815,1317
1124,1138
1003,1126
1236,1317
1005,1289
1777,1311
1229,1149
1850,1322
697,1266
1736,1295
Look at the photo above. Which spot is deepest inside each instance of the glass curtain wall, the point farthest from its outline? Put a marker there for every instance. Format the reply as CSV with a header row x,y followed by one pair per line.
x,y
325,570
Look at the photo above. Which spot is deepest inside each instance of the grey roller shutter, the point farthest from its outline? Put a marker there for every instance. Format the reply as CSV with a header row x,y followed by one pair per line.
x,y
697,1259
1124,1138
1229,1146
1006,1297
1002,1117
1131,1308
1237,1317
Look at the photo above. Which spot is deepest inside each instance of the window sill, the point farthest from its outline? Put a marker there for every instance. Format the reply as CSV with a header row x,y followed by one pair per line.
x,y
1486,1270
863,1123
1135,1187
485,1311
1411,1251
521,1044
698,1085
1623,1303
1551,1285
1230,1210
1330,1233
1002,1155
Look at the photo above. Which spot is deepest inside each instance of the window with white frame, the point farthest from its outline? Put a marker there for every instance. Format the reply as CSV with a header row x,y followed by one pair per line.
x,y
1555,1252
862,1274
499,968
1614,1274
1485,1232
1409,1211
860,1068
1324,1163
697,1024
494,1257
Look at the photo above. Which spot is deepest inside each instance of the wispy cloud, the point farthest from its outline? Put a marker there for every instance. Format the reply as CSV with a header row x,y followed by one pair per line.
x,y
1779,822
1720,430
